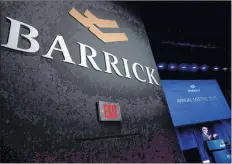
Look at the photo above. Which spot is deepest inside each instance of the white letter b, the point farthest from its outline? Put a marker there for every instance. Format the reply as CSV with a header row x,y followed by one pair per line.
x,y
14,36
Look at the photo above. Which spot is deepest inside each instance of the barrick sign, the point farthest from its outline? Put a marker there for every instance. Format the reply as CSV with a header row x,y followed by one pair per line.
x,y
111,61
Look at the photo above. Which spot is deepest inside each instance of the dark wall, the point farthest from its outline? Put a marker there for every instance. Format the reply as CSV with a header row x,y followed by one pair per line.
x,y
48,107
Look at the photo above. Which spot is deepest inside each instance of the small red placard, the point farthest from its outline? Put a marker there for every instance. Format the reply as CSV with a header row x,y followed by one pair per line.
x,y
110,111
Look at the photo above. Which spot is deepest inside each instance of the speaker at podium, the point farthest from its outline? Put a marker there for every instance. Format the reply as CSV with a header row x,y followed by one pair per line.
x,y
218,151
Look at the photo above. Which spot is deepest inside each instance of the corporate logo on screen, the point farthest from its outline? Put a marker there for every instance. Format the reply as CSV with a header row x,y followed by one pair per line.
x,y
193,89
222,144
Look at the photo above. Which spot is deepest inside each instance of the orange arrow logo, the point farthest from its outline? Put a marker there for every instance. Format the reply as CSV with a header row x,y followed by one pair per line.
x,y
91,21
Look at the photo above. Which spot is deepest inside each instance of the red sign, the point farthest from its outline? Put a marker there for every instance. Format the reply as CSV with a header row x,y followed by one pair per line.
x,y
110,111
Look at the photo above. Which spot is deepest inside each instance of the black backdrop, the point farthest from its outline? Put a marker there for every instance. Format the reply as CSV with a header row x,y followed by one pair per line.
x,y
48,107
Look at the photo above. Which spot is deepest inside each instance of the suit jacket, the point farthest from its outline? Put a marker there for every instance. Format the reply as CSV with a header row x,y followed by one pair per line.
x,y
206,137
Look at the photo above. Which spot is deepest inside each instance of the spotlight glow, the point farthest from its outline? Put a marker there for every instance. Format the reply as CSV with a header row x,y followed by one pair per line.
x,y
161,66
216,68
183,67
172,66
194,67
204,67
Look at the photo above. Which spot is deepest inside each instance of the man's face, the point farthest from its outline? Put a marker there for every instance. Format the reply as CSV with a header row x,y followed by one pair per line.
x,y
205,130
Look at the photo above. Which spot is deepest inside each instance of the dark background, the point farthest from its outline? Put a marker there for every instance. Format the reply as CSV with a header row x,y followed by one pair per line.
x,y
206,23
197,23
48,107
49,116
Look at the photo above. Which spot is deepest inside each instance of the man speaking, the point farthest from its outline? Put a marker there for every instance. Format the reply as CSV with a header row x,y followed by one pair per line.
x,y
206,136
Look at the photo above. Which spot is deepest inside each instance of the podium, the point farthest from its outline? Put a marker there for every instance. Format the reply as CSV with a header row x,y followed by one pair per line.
x,y
218,150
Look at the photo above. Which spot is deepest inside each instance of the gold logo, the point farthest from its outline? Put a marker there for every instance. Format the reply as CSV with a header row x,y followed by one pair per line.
x,y
91,21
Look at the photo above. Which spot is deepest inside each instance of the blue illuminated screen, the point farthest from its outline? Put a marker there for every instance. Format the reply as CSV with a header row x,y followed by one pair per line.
x,y
195,101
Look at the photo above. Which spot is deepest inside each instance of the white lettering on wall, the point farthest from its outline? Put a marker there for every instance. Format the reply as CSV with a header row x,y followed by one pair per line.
x,y
63,48
150,76
135,71
125,62
111,64
13,38
84,56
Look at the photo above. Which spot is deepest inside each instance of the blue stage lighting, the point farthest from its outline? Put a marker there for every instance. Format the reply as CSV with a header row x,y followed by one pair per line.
x,y
194,67
172,66
161,66
183,67
215,68
204,67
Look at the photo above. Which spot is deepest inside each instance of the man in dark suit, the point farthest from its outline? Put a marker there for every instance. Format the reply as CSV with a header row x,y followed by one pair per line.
x,y
206,136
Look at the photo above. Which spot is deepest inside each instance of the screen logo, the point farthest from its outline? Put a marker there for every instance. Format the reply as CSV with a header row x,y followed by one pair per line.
x,y
93,23
192,86
222,144
193,89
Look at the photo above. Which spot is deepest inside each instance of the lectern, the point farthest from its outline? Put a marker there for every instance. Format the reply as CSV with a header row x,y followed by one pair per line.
x,y
218,150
